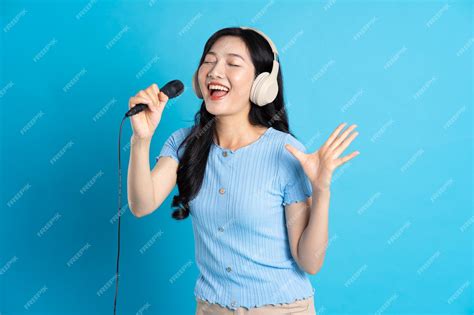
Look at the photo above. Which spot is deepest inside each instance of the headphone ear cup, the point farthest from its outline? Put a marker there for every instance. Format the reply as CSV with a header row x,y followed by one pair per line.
x,y
255,90
264,89
269,90
195,83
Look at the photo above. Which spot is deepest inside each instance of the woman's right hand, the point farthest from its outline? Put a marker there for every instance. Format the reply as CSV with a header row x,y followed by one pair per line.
x,y
145,122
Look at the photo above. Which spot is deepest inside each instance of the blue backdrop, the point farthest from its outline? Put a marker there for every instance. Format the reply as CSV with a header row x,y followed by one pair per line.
x,y
401,214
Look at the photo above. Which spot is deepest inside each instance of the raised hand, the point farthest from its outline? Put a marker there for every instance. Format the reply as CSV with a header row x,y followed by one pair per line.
x,y
320,165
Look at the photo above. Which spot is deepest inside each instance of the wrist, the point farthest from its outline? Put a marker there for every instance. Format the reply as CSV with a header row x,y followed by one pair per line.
x,y
139,140
321,190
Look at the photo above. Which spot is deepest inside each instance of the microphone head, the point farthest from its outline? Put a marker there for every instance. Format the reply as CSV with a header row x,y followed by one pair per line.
x,y
173,88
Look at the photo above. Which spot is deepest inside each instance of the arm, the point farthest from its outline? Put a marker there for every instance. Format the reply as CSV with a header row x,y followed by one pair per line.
x,y
308,230
147,190
310,236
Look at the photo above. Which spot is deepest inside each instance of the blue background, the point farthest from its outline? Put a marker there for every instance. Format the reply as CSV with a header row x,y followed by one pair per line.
x,y
401,214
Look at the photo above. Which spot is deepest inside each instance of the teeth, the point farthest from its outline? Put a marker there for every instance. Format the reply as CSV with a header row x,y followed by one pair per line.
x,y
218,87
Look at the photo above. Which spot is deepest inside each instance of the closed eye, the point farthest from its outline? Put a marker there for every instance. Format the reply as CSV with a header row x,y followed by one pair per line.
x,y
232,65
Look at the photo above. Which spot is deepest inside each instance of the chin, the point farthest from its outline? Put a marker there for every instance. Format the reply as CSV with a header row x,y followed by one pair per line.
x,y
216,109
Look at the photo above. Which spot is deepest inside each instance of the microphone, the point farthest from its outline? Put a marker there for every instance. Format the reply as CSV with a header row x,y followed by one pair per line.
x,y
171,89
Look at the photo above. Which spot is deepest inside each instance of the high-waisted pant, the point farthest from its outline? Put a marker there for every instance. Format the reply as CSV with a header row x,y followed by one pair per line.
x,y
300,307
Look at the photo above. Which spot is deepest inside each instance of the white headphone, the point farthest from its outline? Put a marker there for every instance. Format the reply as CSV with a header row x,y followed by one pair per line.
x,y
265,86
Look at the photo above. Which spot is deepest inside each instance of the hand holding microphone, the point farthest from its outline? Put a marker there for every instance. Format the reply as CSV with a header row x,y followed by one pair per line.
x,y
146,107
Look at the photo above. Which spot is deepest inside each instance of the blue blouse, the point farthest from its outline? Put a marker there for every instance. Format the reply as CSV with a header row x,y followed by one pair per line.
x,y
241,243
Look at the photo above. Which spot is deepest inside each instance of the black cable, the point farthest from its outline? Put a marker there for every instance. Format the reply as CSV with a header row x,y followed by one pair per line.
x,y
119,215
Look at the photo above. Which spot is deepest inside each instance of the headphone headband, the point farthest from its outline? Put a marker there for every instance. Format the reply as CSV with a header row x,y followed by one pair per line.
x,y
274,49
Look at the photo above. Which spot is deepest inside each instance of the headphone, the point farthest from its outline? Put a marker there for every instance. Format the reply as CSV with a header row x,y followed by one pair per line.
x,y
264,87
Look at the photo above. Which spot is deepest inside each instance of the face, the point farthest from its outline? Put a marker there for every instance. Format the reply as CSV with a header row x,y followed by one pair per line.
x,y
227,63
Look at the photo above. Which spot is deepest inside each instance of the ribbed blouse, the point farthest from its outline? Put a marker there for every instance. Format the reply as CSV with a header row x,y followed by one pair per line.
x,y
241,242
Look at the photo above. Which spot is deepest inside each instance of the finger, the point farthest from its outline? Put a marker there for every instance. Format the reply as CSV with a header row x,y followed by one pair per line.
x,y
337,151
146,94
133,101
151,92
346,158
155,88
154,105
333,135
163,97
339,139
149,99
300,156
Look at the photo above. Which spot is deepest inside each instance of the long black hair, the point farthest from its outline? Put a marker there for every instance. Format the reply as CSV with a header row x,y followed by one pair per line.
x,y
198,143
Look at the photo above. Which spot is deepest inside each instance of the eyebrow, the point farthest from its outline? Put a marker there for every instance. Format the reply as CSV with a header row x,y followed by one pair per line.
x,y
229,54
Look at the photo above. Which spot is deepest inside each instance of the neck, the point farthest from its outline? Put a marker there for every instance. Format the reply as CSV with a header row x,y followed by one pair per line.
x,y
233,133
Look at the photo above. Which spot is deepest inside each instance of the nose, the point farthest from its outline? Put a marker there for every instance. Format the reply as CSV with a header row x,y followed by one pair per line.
x,y
216,70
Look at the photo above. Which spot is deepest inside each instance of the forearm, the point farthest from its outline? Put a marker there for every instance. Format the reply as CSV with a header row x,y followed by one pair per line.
x,y
139,182
313,242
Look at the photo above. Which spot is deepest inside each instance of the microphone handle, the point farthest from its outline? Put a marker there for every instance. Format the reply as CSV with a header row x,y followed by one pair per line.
x,y
136,109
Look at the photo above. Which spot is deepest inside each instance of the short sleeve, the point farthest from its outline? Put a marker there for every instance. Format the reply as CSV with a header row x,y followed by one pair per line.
x,y
171,145
295,184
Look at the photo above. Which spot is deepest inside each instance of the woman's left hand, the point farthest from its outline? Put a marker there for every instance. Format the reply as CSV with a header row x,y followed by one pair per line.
x,y
320,164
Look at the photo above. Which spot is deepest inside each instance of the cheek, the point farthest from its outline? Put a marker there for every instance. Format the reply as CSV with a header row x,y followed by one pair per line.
x,y
242,79
242,87
201,77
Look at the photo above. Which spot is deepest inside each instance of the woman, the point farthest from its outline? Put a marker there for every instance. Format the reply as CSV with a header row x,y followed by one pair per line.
x,y
244,178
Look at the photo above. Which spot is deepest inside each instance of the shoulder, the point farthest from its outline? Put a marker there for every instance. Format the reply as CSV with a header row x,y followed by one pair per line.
x,y
286,138
173,145
182,132
295,142
179,135
289,167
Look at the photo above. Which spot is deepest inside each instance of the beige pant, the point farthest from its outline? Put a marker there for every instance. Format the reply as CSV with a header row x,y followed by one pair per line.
x,y
301,307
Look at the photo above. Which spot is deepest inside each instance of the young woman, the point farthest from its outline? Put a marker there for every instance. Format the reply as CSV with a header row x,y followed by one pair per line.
x,y
259,203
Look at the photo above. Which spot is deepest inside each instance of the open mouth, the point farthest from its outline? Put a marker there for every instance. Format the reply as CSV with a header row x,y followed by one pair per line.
x,y
218,92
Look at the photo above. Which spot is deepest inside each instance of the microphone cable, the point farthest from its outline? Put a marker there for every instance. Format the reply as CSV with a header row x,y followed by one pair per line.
x,y
119,215
171,89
